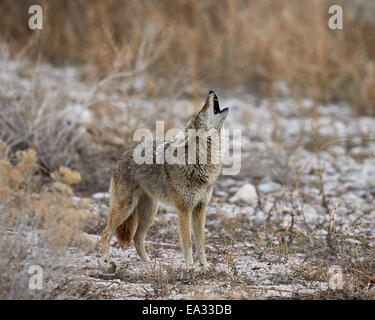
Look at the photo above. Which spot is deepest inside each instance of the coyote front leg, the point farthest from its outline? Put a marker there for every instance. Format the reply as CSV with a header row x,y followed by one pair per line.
x,y
199,221
184,220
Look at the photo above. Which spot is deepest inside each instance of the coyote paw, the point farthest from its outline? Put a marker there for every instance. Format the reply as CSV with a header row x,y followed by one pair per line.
x,y
148,267
205,267
190,266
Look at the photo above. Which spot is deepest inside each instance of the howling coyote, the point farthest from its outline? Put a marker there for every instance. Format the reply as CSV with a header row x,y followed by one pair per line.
x,y
136,188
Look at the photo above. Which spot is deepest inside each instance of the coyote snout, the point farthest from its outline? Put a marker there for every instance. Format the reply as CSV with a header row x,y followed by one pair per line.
x,y
135,189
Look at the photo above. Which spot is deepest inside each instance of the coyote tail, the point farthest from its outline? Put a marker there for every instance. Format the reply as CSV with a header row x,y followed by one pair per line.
x,y
126,231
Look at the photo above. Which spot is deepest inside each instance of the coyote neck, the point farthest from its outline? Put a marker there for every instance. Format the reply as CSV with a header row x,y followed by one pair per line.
x,y
200,174
208,161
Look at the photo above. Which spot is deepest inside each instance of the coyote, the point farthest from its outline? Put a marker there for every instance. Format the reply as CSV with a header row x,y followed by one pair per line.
x,y
135,189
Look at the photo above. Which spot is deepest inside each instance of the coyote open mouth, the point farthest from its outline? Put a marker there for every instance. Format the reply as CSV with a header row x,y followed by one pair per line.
x,y
216,103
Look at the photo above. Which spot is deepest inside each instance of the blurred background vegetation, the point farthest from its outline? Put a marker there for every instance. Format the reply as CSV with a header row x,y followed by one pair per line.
x,y
257,44
72,95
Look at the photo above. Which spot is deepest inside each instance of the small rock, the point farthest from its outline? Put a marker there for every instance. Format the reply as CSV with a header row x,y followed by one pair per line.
x,y
221,194
371,180
269,187
247,193
100,195
75,200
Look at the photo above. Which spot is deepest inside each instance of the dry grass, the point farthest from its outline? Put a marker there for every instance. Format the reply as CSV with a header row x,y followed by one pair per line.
x,y
157,52
37,223
40,117
357,265
203,44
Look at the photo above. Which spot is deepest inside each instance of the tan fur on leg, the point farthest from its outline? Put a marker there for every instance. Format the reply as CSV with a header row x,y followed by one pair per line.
x,y
184,219
147,209
119,212
199,220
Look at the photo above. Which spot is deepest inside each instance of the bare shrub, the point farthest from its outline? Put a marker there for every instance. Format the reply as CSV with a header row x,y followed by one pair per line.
x,y
36,228
38,117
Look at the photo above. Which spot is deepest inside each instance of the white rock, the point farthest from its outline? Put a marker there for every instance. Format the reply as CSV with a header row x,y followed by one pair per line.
x,y
221,194
247,193
75,200
100,195
371,180
269,187
311,215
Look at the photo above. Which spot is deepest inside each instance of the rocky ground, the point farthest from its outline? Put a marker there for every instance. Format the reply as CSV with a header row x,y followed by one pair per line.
x,y
302,205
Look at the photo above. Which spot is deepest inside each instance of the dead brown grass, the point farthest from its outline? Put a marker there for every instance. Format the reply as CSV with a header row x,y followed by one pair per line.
x,y
37,223
210,43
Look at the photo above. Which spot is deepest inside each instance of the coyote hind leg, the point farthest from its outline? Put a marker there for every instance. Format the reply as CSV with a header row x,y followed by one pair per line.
x,y
146,209
120,210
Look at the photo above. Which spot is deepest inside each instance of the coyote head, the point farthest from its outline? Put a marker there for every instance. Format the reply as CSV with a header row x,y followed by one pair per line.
x,y
202,134
210,116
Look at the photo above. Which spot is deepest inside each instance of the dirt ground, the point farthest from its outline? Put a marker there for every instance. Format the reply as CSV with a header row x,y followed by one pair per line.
x,y
302,227
286,242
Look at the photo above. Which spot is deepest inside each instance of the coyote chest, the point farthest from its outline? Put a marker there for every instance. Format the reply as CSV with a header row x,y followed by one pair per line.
x,y
192,185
